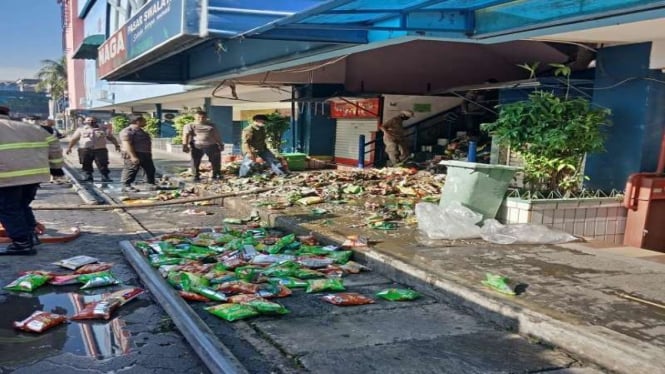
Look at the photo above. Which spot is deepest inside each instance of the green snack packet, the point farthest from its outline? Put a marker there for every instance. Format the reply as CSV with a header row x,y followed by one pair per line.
x,y
398,294
312,249
100,279
248,273
232,312
210,293
281,244
143,247
186,281
498,283
224,279
318,285
233,221
158,260
267,307
288,282
340,257
27,283
308,274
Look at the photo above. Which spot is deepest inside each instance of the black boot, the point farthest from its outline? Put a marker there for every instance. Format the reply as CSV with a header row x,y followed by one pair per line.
x,y
19,248
88,178
106,178
35,239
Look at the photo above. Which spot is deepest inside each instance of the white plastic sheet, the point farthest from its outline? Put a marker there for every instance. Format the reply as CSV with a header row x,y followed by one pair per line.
x,y
453,222
522,233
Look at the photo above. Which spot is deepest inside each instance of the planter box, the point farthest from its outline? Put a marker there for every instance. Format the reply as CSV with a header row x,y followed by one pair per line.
x,y
602,219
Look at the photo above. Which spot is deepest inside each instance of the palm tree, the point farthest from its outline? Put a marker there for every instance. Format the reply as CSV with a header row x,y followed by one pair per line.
x,y
53,78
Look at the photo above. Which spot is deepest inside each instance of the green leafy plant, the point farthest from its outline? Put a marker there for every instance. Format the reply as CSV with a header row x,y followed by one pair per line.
x,y
151,125
552,134
119,122
180,121
276,127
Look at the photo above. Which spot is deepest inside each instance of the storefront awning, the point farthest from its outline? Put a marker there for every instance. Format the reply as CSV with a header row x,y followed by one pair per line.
x,y
88,48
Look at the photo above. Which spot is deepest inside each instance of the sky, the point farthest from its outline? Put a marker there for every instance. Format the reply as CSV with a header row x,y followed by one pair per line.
x,y
30,31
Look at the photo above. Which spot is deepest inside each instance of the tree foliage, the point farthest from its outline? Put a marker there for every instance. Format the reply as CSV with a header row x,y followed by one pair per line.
x,y
276,126
552,134
53,78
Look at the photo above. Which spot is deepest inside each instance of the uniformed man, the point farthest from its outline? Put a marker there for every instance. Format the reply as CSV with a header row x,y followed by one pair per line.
x,y
136,153
254,145
27,153
92,147
395,139
202,138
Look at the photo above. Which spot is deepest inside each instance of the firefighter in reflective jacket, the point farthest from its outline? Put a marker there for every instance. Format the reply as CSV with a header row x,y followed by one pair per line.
x,y
27,153
395,139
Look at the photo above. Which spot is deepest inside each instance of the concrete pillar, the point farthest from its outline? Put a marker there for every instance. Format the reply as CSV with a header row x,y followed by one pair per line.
x,y
222,117
158,115
625,84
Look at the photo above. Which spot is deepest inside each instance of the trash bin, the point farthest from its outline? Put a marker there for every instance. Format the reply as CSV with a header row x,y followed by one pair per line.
x,y
480,187
296,161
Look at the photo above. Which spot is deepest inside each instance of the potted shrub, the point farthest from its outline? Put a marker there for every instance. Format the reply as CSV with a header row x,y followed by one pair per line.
x,y
552,134
275,128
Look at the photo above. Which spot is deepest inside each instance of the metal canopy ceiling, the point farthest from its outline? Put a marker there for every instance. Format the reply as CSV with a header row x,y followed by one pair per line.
x,y
365,21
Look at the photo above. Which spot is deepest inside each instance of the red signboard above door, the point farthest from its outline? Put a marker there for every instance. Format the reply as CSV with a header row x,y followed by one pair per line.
x,y
362,108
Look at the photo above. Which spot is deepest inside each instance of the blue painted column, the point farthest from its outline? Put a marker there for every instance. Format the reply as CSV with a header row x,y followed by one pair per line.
x,y
158,115
315,129
222,117
624,84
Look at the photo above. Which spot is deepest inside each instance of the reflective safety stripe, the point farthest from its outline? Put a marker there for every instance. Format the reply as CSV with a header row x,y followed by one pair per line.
x,y
23,145
51,138
56,160
23,173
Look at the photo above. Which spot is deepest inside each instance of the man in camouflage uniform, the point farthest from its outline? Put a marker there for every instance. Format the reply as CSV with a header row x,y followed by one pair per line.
x,y
92,147
395,139
254,145
202,138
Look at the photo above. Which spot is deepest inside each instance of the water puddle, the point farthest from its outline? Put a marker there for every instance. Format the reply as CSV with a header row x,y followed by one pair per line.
x,y
96,338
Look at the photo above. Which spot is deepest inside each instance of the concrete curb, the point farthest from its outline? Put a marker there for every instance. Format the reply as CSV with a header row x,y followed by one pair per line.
x,y
602,346
203,341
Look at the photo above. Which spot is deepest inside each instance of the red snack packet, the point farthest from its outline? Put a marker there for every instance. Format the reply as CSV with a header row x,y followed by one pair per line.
x,y
243,298
63,280
93,268
238,287
98,309
191,296
347,298
40,321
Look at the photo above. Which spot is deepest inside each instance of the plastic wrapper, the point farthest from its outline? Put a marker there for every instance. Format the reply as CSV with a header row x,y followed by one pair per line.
x,y
522,233
232,312
308,240
76,262
185,281
332,271
94,268
352,267
125,295
158,260
231,288
498,283
341,257
310,200
318,285
267,307
398,294
27,283
233,262
243,298
210,293
231,277
347,298
64,280
315,262
288,282
281,244
270,291
249,273
271,259
191,296
93,280
313,249
452,222
194,267
101,309
308,274
40,321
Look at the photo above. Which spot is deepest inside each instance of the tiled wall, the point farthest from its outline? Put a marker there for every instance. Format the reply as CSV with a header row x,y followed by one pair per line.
x,y
602,219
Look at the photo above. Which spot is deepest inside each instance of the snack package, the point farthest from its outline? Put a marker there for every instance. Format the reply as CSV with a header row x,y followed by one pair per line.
x,y
314,262
318,285
235,287
64,280
347,298
27,283
353,267
398,294
267,307
93,280
186,281
124,295
243,298
210,293
76,262
308,274
101,309
232,312
340,257
94,268
498,283
158,260
289,282
191,296
40,321
273,290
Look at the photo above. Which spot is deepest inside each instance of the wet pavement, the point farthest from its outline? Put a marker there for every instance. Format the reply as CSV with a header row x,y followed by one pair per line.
x,y
574,288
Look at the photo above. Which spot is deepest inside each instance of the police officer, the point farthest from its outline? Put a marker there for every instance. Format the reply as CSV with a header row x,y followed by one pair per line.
x,y
202,138
395,139
254,145
136,153
27,153
92,147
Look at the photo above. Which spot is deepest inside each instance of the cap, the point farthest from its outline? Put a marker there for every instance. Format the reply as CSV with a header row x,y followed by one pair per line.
x,y
407,113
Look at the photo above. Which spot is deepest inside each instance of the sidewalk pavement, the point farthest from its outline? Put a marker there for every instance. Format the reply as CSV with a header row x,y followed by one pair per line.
x,y
605,304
